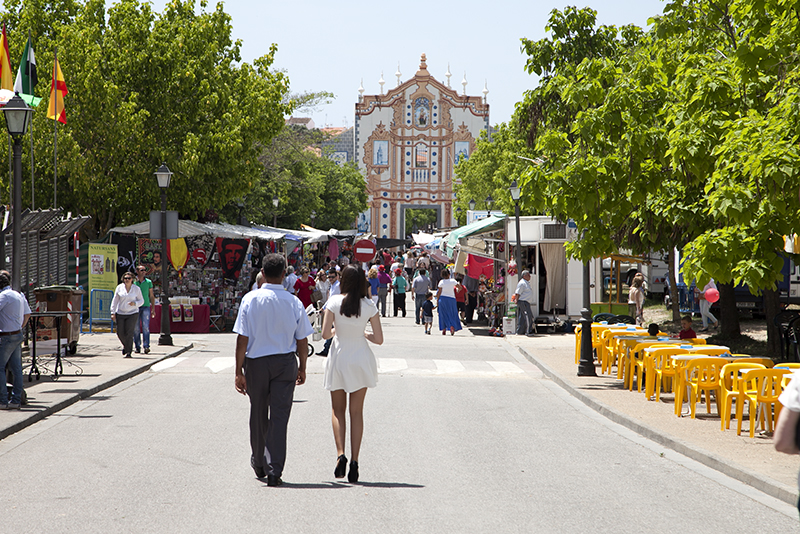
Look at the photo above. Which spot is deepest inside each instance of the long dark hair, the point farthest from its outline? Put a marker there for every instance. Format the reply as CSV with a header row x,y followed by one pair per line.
x,y
354,287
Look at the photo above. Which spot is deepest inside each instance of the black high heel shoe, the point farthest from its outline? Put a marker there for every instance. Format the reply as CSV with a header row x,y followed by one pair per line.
x,y
352,476
341,465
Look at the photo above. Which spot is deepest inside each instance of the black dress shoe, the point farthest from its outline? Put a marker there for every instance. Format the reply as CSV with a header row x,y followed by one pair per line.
x,y
341,466
260,473
274,480
352,476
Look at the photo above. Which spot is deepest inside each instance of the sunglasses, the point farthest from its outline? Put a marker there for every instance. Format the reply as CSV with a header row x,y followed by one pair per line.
x,y
331,276
127,278
142,269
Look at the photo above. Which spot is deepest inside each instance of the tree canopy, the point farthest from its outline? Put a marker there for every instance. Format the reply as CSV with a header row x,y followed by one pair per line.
x,y
146,88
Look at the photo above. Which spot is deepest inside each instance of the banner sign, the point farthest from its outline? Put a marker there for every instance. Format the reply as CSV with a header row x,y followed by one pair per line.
x,y
102,266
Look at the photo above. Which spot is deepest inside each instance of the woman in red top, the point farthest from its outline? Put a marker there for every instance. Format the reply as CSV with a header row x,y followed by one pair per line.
x,y
304,286
461,297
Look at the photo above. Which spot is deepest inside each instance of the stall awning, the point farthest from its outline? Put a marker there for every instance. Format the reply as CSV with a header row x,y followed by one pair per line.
x,y
489,224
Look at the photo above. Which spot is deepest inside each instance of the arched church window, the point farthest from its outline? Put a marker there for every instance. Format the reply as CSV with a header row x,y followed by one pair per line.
x,y
421,155
422,112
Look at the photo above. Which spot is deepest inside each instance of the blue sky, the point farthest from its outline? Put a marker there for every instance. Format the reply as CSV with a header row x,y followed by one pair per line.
x,y
331,46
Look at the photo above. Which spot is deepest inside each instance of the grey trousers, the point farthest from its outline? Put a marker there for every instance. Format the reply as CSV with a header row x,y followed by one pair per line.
x,y
125,327
270,386
524,318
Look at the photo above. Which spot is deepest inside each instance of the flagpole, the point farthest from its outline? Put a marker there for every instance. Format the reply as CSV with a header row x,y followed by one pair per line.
x,y
28,68
55,129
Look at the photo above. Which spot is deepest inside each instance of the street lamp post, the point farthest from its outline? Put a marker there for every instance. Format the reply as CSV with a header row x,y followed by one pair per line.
x,y
515,194
472,204
275,202
18,117
164,175
489,201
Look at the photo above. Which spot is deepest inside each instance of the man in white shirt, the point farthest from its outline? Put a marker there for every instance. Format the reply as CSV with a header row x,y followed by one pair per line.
x,y
291,278
272,326
525,298
333,289
14,314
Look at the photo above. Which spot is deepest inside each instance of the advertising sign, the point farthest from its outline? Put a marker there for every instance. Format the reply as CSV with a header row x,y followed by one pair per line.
x,y
102,266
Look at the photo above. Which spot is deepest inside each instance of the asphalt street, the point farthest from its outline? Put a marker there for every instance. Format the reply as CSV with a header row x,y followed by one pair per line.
x,y
461,435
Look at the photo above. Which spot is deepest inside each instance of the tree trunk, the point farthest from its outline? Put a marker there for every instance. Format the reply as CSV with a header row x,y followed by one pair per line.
x,y
673,287
772,306
729,313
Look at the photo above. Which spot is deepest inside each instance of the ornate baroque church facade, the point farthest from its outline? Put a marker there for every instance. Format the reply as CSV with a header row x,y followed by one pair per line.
x,y
407,142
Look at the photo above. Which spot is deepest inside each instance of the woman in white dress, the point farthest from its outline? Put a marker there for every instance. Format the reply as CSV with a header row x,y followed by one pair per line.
x,y
351,367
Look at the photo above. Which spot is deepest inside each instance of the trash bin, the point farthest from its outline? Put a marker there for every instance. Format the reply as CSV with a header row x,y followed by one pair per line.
x,y
60,298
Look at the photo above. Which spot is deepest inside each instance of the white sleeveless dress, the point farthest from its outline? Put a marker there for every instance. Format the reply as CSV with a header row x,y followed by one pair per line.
x,y
351,365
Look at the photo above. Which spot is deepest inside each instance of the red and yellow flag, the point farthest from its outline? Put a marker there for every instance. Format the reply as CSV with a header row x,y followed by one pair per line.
x,y
6,77
58,90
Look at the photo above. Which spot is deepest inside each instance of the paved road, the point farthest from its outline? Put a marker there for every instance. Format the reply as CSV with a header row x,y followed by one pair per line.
x,y
461,436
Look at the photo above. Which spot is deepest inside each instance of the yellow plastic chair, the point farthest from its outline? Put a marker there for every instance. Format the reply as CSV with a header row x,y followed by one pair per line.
x,y
637,363
730,389
762,388
661,369
766,362
577,344
793,366
702,375
612,350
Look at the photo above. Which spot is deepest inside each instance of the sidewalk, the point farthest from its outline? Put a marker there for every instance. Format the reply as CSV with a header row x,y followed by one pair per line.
x,y
100,358
752,461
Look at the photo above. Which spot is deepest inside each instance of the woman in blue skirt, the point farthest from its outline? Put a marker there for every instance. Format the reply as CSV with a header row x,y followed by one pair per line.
x,y
448,309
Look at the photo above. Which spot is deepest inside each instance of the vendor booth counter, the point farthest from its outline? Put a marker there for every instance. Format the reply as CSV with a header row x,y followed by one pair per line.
x,y
199,324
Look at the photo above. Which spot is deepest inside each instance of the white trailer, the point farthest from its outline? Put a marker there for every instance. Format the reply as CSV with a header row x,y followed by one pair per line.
x,y
557,282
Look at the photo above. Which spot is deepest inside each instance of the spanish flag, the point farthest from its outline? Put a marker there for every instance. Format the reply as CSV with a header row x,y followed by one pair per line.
x,y
6,77
57,91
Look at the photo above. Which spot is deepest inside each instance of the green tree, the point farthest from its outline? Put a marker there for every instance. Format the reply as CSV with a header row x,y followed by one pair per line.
x,y
147,88
305,181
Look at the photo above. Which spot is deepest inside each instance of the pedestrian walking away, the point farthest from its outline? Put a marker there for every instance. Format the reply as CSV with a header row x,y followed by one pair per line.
x,y
372,279
419,288
14,315
525,299
141,331
446,302
271,353
384,281
125,311
334,289
399,284
351,367
427,313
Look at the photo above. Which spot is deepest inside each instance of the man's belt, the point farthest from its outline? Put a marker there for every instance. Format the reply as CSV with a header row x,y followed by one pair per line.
x,y
10,333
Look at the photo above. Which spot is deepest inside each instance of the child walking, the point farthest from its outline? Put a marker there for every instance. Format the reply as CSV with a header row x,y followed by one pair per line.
x,y
427,312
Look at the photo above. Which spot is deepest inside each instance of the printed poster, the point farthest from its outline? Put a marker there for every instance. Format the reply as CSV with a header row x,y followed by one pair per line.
x,y
102,266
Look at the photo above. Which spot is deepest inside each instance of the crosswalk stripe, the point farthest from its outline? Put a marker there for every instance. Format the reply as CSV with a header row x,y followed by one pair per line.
x,y
389,365
449,366
505,367
221,363
166,364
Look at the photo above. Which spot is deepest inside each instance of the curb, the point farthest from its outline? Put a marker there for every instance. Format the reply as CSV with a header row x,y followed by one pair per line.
x,y
755,480
113,381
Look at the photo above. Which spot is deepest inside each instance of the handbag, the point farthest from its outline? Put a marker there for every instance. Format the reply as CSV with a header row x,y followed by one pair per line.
x,y
316,295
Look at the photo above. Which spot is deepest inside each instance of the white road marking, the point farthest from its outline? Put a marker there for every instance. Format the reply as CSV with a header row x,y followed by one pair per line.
x,y
449,366
506,367
391,365
166,364
221,363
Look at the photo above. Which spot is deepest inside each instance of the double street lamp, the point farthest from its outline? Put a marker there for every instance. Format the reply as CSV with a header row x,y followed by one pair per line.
x,y
18,117
164,175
